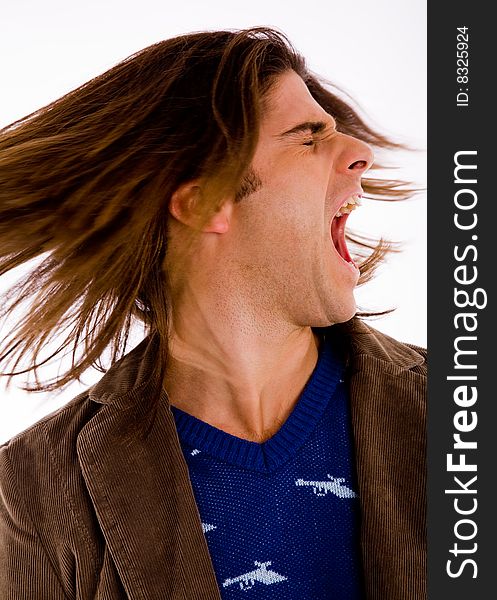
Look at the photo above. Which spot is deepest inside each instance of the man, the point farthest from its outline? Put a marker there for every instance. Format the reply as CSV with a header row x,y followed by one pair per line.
x,y
261,439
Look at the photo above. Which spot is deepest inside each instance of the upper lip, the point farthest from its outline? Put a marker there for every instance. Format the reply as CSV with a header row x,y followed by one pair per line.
x,y
345,197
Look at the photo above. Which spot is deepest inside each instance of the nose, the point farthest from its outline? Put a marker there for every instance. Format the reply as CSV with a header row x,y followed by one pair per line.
x,y
356,157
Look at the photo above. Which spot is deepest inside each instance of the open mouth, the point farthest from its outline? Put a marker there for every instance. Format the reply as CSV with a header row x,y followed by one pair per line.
x,y
338,226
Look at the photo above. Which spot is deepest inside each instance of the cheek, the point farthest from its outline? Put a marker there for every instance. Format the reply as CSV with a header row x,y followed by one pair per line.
x,y
286,214
287,209
273,237
296,194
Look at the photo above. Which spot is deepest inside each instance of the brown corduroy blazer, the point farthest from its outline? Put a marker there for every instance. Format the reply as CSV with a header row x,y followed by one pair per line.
x,y
84,516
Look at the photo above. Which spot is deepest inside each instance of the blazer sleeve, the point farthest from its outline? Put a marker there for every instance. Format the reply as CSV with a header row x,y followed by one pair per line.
x,y
25,567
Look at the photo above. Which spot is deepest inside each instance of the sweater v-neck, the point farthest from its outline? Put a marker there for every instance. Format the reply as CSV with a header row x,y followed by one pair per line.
x,y
286,442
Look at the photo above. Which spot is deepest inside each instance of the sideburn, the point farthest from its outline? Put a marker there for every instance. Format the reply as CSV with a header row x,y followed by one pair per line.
x,y
250,183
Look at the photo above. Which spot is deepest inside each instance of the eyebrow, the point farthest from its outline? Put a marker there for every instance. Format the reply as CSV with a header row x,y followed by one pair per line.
x,y
312,126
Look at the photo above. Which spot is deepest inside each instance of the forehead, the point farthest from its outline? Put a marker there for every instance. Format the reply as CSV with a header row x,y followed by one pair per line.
x,y
289,102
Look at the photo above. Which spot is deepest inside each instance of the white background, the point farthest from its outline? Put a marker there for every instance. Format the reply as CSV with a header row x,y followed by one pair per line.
x,y
376,51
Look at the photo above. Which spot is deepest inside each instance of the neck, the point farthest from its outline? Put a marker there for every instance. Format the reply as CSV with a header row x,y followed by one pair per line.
x,y
237,373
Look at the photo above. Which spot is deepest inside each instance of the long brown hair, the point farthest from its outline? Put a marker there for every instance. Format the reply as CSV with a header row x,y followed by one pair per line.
x,y
85,184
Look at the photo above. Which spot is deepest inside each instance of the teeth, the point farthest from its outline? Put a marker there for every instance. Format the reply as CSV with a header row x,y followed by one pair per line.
x,y
349,205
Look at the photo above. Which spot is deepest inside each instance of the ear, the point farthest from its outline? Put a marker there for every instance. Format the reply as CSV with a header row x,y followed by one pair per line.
x,y
184,204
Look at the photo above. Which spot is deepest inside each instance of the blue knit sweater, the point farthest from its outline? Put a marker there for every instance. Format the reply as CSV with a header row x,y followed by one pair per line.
x,y
281,518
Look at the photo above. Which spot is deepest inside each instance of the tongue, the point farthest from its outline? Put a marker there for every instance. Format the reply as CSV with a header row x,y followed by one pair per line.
x,y
338,237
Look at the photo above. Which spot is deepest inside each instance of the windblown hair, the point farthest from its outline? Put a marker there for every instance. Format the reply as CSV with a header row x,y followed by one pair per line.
x,y
85,184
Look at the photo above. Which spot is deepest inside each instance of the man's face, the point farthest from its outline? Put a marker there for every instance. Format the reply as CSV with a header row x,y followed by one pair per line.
x,y
282,232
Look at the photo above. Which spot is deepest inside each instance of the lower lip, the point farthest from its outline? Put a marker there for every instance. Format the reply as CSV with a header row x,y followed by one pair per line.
x,y
351,266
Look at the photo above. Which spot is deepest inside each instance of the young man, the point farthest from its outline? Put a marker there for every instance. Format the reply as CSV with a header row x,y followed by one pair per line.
x,y
262,439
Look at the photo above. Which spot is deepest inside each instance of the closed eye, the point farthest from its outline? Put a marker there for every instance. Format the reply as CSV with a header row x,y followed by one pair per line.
x,y
314,141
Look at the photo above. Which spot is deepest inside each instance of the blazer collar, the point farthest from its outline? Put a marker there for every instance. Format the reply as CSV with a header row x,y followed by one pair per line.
x,y
129,378
361,340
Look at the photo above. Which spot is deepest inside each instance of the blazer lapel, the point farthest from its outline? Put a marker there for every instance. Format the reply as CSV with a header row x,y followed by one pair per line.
x,y
144,500
388,399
